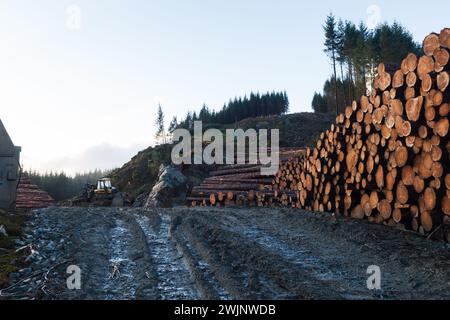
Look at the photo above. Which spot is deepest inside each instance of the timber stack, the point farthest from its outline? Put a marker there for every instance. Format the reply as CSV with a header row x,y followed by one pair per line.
x,y
240,184
386,159
30,197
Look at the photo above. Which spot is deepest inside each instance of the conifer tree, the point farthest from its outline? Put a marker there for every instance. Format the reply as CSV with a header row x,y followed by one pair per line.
x,y
160,131
331,47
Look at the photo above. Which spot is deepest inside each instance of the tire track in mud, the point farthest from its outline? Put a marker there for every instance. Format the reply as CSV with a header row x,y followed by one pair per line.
x,y
90,251
298,256
229,254
208,286
252,270
223,261
173,276
352,245
110,255
111,250
304,255
120,283
341,258
301,251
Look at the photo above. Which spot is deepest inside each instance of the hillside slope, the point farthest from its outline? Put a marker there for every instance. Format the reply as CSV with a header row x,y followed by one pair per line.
x,y
139,175
296,130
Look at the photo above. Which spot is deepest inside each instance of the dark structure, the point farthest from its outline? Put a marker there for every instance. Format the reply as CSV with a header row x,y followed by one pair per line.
x,y
9,169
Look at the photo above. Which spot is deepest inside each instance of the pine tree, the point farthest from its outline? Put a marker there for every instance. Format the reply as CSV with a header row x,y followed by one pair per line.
x,y
254,105
349,49
363,50
392,42
331,46
204,114
160,131
341,58
359,50
189,122
285,102
319,104
173,125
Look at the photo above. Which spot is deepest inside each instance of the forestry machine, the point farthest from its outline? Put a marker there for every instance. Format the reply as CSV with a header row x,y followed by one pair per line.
x,y
104,194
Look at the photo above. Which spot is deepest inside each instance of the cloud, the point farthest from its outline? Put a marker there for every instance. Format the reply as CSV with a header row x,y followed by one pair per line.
x,y
103,156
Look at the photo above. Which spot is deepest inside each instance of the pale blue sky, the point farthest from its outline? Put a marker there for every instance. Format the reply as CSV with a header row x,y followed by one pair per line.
x,y
73,98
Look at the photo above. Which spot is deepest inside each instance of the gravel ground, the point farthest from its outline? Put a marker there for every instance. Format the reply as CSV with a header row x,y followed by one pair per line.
x,y
207,253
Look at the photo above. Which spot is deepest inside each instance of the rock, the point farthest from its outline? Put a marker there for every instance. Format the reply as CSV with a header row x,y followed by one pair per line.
x,y
50,246
33,257
26,271
170,189
140,200
3,232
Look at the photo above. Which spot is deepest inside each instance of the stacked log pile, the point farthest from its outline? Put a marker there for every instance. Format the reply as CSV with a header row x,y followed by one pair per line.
x,y
240,184
30,197
386,159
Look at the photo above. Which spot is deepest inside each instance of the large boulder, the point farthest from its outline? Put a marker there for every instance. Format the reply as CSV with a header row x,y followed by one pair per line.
x,y
170,189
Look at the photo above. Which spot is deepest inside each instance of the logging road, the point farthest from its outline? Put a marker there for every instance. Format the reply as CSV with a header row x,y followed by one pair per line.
x,y
224,254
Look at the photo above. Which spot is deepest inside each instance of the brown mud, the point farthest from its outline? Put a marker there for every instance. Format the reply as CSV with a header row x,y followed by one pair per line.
x,y
206,253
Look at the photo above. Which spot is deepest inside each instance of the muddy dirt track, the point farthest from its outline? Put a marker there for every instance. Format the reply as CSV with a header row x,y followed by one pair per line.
x,y
224,254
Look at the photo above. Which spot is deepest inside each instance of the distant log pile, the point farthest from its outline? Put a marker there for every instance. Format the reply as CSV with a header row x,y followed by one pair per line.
x,y
240,184
386,159
30,197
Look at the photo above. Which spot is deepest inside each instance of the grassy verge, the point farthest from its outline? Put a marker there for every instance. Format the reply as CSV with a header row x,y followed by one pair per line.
x,y
10,261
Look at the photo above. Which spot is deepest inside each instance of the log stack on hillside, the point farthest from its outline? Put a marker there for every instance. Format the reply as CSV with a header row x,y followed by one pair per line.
x,y
386,159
